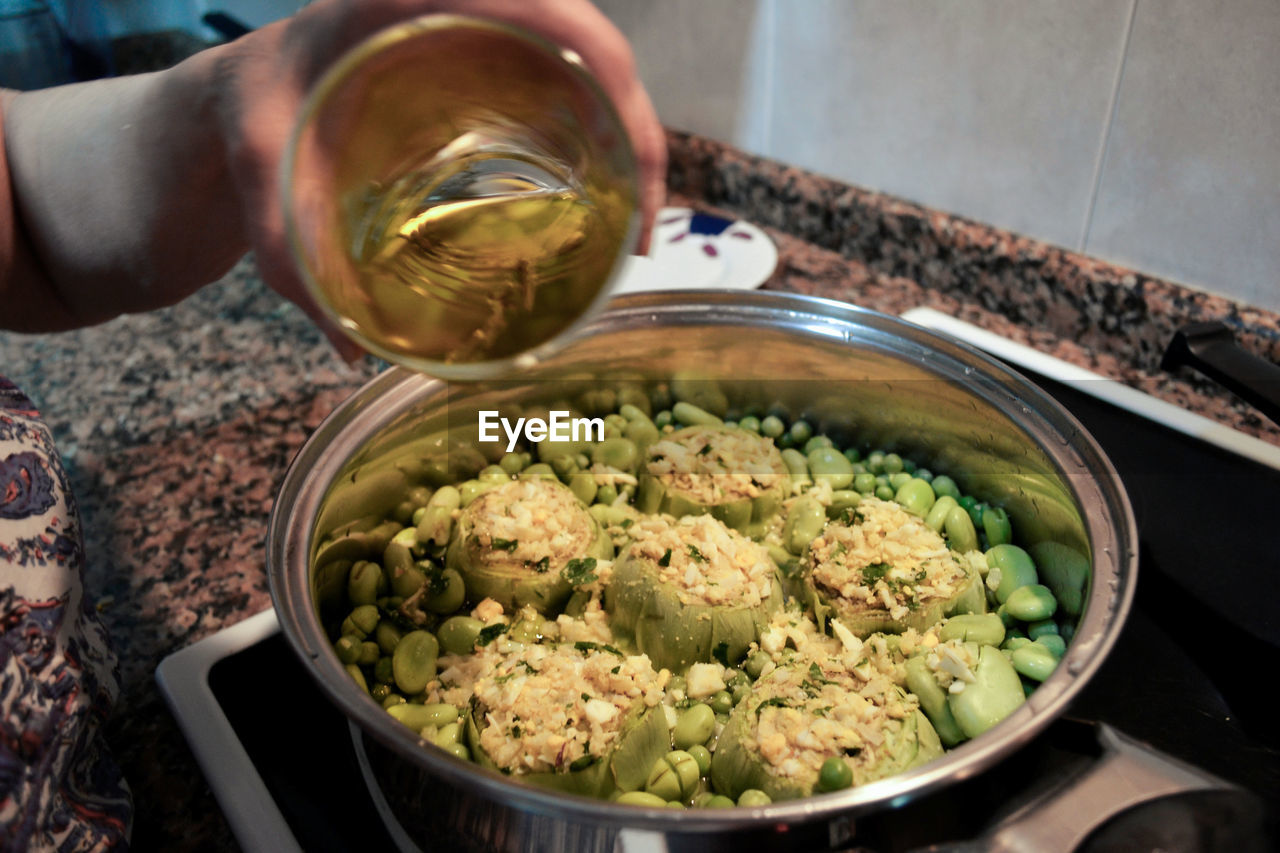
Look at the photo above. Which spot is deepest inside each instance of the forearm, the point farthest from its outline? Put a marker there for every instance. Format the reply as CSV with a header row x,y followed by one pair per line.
x,y
120,196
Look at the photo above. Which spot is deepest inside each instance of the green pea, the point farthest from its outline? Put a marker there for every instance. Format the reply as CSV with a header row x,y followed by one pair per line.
x,y
829,465
583,485
690,415
642,798
525,631
875,462
893,463
450,596
800,431
514,462
739,692
1034,661
719,801
380,692
916,497
961,535
458,750
937,516
899,480
976,513
642,432
1032,603
565,467
674,776
756,663
804,523
702,755
721,702
835,775
676,684
924,474
458,634
750,423
754,797
865,483
419,717
984,628
693,726
772,426
945,486
663,419
1067,630
607,494
414,661
885,492
816,442
853,455
1054,643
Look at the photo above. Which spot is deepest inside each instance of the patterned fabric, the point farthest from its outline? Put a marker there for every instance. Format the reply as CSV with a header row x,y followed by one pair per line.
x,y
59,788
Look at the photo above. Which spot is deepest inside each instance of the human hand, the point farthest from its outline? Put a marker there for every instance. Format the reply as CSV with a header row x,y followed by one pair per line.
x,y
263,78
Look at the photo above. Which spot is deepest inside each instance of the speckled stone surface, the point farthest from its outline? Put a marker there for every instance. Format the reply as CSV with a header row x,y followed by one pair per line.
x,y
178,426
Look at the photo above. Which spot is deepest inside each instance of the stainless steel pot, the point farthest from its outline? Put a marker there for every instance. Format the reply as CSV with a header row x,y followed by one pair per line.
x,y
851,372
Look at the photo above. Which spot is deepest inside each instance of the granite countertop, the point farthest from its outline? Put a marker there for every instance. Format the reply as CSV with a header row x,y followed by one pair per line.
x,y
177,426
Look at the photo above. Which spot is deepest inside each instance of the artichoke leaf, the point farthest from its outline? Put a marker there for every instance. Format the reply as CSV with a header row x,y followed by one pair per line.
x,y
643,739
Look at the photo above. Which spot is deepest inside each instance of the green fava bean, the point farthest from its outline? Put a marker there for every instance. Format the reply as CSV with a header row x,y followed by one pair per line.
x,y
1036,630
754,797
539,471
365,617
916,497
347,648
642,798
1054,643
995,523
944,486
1016,569
702,755
690,415
804,522
407,580
494,474
898,480
620,453
719,801
458,750
369,653
961,534
835,775
419,717
413,663
1032,603
829,465
452,593
983,628
694,726
363,582
674,776
458,634
797,467
1034,661
357,676
937,515
994,694
842,500
1012,644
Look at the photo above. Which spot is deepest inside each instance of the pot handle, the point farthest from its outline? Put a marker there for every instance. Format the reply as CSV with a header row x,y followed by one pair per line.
x,y
1127,774
1211,349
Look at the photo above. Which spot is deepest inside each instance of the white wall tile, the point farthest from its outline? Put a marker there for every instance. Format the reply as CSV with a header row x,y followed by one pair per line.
x,y
692,57
1190,185
992,108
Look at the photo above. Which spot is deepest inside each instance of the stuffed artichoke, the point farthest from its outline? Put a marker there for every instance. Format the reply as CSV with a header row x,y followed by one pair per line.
x,y
582,718
805,714
733,474
691,589
513,542
885,570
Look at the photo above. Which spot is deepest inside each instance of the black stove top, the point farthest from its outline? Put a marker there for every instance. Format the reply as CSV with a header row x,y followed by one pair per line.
x,y
1188,674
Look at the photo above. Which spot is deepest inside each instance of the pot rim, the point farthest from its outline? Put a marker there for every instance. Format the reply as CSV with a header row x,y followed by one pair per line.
x,y
1095,485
